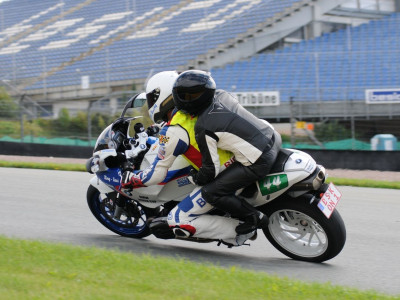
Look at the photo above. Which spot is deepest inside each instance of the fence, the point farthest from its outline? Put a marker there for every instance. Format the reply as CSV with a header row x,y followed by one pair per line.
x,y
346,144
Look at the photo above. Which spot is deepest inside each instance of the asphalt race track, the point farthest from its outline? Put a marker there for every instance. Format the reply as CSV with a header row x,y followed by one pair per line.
x,y
51,206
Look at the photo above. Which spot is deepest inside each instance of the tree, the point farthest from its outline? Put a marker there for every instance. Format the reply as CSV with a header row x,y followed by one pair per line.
x,y
331,131
8,109
63,118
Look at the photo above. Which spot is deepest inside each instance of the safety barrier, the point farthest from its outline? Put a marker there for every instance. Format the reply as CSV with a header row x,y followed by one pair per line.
x,y
31,149
330,159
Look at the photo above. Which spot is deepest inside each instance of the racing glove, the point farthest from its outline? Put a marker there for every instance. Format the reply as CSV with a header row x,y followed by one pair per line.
x,y
152,130
131,180
193,176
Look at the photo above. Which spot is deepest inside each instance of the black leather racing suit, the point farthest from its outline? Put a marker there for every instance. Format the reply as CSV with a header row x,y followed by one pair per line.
x,y
227,125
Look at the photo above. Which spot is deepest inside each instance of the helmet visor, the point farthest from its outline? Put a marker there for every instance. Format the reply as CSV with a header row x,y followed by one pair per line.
x,y
152,97
190,96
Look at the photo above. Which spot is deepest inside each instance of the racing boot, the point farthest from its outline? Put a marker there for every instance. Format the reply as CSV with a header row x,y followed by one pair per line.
x,y
252,222
254,219
242,238
160,228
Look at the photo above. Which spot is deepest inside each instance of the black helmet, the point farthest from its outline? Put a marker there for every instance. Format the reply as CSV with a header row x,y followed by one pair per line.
x,y
193,91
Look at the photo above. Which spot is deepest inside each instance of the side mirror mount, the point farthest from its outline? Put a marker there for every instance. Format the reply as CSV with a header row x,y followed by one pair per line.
x,y
137,100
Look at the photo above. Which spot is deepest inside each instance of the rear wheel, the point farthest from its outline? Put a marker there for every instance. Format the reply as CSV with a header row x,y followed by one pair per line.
x,y
301,231
129,221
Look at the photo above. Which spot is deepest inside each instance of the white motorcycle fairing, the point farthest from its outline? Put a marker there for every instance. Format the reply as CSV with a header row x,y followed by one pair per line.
x,y
176,188
299,165
303,221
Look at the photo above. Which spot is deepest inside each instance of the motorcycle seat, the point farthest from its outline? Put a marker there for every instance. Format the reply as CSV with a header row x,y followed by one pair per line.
x,y
282,158
277,167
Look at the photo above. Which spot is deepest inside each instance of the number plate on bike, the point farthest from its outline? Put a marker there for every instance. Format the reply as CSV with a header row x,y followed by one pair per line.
x,y
329,200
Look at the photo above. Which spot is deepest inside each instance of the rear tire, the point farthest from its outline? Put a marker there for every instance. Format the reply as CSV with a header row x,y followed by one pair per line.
x,y
131,224
301,231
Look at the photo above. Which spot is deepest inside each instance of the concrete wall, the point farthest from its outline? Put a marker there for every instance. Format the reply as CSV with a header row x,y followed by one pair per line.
x,y
331,159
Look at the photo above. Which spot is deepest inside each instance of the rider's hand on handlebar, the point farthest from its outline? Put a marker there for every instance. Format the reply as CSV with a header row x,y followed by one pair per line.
x,y
131,180
153,130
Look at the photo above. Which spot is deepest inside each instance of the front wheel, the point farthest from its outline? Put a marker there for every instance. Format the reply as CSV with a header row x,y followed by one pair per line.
x,y
130,222
301,231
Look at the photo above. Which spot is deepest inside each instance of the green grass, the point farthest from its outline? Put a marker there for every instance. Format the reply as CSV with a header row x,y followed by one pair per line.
x,y
46,166
38,270
82,168
365,183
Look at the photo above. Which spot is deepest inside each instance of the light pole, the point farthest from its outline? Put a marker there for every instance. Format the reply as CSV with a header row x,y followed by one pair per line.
x,y
21,116
292,123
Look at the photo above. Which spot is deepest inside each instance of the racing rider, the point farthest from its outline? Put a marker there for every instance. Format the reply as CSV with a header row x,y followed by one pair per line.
x,y
177,138
224,124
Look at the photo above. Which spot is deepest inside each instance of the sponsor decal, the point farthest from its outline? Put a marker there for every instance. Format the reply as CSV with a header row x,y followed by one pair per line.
x,y
107,150
182,181
161,153
169,216
217,108
272,184
229,162
382,96
111,177
201,202
310,166
149,201
163,139
152,110
144,174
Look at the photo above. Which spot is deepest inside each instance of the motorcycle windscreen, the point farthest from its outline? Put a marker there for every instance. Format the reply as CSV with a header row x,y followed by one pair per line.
x,y
104,140
109,139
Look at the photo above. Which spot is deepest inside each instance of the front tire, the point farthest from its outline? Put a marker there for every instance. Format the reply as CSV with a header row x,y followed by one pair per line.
x,y
301,231
131,223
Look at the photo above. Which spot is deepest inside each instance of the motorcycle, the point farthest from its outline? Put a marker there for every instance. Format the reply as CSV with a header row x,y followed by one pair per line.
x,y
304,222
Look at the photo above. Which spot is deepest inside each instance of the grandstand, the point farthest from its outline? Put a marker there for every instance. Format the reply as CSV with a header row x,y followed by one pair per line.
x,y
336,66
323,55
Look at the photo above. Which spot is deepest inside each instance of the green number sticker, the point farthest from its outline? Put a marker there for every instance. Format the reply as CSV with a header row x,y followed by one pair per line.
x,y
272,184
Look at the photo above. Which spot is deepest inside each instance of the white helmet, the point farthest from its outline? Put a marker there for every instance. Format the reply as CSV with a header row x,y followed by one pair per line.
x,y
159,94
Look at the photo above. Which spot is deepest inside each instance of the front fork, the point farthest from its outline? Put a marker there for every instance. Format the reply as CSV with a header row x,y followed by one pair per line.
x,y
120,203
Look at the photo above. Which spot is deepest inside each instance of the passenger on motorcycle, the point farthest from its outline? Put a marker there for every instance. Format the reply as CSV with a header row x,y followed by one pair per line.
x,y
222,123
189,217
